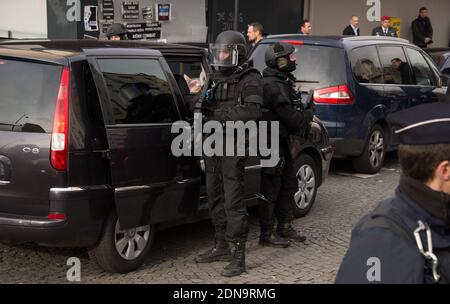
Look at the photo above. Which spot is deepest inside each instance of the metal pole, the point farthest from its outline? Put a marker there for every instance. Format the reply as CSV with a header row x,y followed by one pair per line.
x,y
311,12
236,15
306,10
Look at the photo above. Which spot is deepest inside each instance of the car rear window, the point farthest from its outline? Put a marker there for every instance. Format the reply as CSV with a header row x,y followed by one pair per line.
x,y
28,93
317,66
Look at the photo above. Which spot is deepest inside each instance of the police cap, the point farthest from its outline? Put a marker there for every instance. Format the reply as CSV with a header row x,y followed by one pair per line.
x,y
426,124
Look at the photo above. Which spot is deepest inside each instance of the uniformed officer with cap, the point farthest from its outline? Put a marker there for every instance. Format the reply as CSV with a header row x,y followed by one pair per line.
x,y
385,29
406,239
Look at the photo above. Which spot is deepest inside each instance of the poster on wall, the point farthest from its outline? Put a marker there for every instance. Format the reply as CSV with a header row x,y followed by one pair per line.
x,y
163,12
147,13
397,24
137,31
90,18
108,10
130,10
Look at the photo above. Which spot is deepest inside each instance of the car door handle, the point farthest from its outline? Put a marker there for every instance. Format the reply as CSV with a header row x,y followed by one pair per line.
x,y
181,181
391,97
105,153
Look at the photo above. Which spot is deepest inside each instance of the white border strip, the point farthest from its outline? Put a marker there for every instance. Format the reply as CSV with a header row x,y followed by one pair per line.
x,y
423,123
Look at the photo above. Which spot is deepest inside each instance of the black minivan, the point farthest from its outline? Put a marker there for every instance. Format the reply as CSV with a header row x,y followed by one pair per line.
x,y
85,142
358,82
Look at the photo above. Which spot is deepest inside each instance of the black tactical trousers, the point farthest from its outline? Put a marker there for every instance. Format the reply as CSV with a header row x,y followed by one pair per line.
x,y
278,186
225,187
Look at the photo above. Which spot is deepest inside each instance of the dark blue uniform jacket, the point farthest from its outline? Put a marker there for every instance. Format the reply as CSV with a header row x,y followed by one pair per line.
x,y
400,260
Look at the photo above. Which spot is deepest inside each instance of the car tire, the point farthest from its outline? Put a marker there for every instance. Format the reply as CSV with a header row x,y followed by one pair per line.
x,y
307,173
121,251
374,152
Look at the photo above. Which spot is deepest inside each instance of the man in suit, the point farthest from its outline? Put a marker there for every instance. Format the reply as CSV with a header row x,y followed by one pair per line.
x,y
352,29
422,29
385,29
403,68
305,27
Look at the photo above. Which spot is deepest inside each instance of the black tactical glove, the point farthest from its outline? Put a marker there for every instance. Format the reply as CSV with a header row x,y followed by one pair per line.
x,y
306,123
307,116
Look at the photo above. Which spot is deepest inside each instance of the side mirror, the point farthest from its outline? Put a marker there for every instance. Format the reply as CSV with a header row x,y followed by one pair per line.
x,y
446,72
448,89
443,81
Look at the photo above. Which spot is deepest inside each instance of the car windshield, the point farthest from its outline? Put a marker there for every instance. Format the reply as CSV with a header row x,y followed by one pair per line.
x,y
440,59
317,66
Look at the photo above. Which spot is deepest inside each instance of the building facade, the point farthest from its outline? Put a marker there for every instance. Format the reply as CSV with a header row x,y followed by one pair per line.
x,y
331,17
200,21
23,18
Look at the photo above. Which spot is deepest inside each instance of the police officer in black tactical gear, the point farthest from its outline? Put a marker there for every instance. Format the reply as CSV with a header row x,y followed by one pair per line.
x,y
236,95
116,31
406,239
279,184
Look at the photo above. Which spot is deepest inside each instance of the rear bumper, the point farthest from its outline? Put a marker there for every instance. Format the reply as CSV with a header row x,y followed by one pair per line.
x,y
345,147
85,209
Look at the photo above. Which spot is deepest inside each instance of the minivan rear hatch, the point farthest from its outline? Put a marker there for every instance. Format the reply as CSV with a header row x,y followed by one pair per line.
x,y
28,95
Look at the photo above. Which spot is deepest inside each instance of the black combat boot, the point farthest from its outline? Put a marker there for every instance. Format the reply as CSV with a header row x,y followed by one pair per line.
x,y
268,239
287,231
220,252
237,265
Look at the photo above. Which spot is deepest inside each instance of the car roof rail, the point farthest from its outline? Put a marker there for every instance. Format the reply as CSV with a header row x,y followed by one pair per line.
x,y
378,38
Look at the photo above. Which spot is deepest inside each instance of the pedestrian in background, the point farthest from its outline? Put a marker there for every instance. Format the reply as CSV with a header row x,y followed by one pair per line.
x,y
352,29
385,28
117,31
422,29
305,27
255,32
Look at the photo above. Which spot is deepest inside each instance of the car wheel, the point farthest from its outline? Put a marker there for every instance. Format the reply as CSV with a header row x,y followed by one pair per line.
x,y
374,153
307,181
122,251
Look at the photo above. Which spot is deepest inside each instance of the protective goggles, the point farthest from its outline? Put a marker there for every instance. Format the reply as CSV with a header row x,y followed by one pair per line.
x,y
223,55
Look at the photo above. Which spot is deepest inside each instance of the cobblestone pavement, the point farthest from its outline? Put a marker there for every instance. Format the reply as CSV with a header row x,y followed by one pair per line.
x,y
341,201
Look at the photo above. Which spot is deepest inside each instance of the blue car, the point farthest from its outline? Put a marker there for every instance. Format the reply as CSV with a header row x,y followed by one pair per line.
x,y
441,57
357,83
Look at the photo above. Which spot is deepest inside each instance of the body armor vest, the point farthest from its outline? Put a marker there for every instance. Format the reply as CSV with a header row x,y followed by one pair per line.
x,y
227,91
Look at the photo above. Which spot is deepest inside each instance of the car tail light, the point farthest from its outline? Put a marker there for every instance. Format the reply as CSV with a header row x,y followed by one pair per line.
x,y
58,150
339,95
56,216
293,42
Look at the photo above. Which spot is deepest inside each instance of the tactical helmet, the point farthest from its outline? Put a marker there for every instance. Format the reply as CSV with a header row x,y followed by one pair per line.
x,y
229,50
117,29
277,56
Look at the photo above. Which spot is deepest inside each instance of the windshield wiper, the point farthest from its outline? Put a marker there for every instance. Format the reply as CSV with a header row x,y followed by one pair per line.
x,y
10,124
307,81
